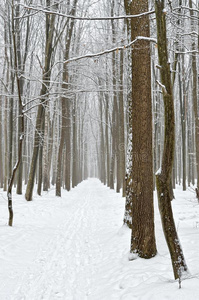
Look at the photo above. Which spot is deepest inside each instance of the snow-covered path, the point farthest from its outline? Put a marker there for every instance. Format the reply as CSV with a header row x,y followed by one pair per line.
x,y
63,263
75,248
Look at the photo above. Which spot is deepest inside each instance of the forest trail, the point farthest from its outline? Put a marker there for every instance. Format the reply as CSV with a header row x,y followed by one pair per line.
x,y
71,254
75,248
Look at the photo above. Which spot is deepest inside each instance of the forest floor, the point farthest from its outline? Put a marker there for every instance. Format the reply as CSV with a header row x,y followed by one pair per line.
x,y
75,248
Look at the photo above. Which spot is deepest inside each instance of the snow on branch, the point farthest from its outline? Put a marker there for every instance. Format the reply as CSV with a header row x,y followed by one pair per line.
x,y
138,38
186,7
46,11
162,86
187,52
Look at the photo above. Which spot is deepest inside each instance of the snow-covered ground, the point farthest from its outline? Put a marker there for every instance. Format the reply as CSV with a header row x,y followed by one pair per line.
x,y
75,248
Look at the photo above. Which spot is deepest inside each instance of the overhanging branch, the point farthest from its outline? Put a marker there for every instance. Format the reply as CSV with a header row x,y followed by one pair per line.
x,y
120,48
46,11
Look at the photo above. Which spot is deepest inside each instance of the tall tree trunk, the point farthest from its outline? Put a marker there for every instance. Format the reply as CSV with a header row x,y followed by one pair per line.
x,y
66,126
11,101
55,150
40,165
60,152
121,146
113,154
183,122
48,149
107,134
143,236
163,177
102,147
50,21
46,153
5,147
21,70
68,147
14,170
74,143
194,95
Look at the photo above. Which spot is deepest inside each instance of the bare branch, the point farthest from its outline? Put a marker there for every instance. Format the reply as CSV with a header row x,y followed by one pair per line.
x,y
162,86
120,48
83,18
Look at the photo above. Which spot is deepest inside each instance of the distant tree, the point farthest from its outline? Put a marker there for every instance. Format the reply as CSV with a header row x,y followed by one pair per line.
x,y
66,112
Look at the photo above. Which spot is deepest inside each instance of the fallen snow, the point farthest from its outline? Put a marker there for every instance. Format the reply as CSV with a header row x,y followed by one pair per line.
x,y
75,248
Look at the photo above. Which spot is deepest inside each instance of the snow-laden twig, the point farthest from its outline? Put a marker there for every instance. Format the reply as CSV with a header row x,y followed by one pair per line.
x,y
162,86
120,48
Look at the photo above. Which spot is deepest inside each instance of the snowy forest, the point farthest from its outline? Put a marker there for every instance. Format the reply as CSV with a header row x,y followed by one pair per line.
x,y
99,127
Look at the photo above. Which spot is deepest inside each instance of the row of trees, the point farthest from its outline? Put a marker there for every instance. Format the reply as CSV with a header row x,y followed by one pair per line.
x,y
85,93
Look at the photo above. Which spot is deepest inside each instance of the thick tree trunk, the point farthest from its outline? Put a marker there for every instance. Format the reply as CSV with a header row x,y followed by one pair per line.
x,y
143,236
163,177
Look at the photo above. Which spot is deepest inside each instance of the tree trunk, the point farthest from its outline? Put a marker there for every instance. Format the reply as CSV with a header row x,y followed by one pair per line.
x,y
183,124
74,143
60,152
46,152
121,146
68,147
5,146
143,236
107,134
194,94
114,110
40,166
66,127
102,147
14,170
50,21
163,177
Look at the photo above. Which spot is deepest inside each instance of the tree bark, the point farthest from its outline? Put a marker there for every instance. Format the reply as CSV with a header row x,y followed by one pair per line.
x,y
141,184
163,177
